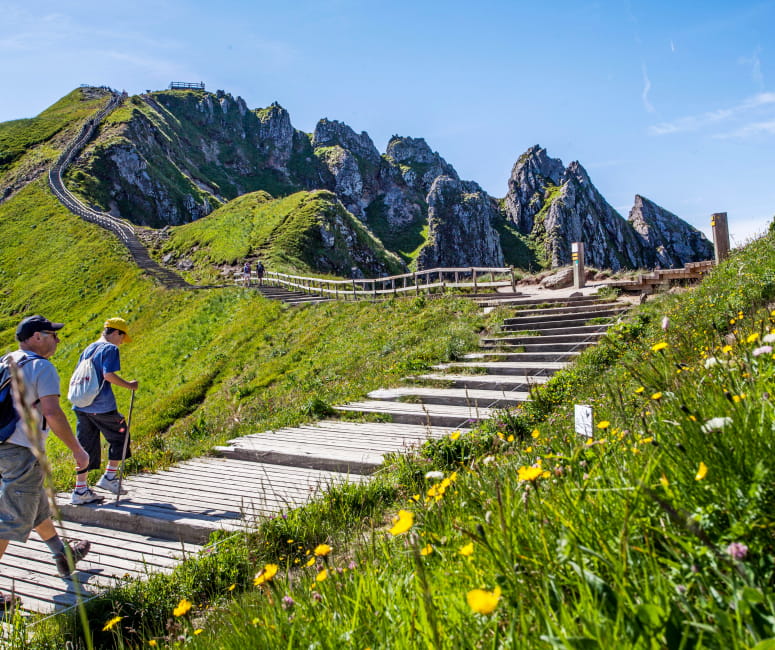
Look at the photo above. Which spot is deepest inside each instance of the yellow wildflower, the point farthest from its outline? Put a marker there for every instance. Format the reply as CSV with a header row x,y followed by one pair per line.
x,y
467,550
111,623
402,522
701,472
640,389
232,586
198,631
656,395
321,576
321,550
510,438
752,337
427,550
454,435
529,473
659,346
266,574
663,481
483,602
727,349
310,562
152,643
603,424
535,433
183,607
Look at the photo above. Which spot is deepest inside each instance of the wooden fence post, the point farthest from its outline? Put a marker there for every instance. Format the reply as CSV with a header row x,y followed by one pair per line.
x,y
718,222
577,259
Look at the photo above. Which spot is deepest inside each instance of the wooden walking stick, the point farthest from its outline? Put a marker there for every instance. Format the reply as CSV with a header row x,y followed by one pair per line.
x,y
126,444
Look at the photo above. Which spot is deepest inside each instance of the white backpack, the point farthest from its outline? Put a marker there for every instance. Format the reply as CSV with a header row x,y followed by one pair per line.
x,y
84,387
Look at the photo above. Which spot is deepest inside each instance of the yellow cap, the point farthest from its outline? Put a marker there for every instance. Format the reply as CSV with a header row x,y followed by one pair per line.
x,y
119,324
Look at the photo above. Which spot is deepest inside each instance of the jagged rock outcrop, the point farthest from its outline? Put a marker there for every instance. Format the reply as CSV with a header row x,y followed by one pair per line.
x,y
555,206
672,240
460,216
177,155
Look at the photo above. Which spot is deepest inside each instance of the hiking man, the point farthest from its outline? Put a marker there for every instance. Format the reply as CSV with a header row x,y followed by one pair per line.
x,y
260,273
246,273
23,502
102,414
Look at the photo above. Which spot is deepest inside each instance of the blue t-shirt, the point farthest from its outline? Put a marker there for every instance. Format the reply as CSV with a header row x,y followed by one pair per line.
x,y
105,359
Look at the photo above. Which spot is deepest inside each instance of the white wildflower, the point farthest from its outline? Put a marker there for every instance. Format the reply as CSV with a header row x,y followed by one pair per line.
x,y
710,362
770,338
434,476
715,424
764,349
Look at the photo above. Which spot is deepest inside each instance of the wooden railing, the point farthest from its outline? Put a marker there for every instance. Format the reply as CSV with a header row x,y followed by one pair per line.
x,y
427,281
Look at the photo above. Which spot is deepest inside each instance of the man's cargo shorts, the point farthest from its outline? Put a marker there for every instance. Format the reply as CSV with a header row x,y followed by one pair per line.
x,y
23,502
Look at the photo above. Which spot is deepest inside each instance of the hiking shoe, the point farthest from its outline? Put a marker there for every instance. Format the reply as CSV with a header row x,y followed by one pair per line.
x,y
79,551
81,497
109,484
9,602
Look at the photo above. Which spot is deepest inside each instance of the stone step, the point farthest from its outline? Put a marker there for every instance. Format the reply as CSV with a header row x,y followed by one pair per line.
x,y
452,396
434,415
29,571
545,369
191,500
331,445
533,357
518,300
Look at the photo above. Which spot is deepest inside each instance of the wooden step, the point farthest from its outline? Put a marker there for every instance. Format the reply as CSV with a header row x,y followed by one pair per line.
x,y
506,345
529,357
332,445
566,309
551,339
582,316
559,329
189,501
29,570
545,369
452,396
484,382
423,414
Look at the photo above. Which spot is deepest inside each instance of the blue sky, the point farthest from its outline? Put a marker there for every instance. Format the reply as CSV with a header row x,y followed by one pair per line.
x,y
671,100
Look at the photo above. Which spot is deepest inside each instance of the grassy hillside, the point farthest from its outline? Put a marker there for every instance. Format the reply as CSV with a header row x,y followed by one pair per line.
x,y
656,533
285,233
212,364
27,146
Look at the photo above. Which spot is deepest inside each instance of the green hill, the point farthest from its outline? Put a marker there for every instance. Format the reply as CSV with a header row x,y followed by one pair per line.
x,y
306,232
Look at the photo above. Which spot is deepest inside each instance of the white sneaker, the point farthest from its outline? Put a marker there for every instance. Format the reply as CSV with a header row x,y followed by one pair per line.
x,y
82,497
109,484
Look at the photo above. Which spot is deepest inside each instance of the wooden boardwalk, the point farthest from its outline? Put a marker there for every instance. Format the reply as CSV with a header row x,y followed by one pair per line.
x,y
169,515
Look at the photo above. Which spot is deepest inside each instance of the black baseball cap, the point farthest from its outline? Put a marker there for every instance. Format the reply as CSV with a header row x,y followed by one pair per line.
x,y
33,324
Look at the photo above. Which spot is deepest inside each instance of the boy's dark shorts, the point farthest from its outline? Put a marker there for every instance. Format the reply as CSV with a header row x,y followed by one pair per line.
x,y
23,501
113,427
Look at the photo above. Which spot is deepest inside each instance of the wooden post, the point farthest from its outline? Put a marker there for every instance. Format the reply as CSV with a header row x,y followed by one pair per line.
x,y
393,286
354,294
416,285
577,259
513,281
473,276
718,222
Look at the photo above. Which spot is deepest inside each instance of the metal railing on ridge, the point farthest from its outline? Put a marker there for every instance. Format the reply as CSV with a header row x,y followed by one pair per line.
x,y
426,281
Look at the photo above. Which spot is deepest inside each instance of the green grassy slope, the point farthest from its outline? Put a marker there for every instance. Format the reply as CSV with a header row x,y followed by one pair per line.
x,y
212,364
284,232
657,533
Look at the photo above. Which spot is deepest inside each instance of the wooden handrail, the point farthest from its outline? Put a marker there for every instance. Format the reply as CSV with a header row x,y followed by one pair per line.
x,y
377,288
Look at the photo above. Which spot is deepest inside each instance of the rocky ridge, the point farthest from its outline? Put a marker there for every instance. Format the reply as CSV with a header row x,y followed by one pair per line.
x,y
174,156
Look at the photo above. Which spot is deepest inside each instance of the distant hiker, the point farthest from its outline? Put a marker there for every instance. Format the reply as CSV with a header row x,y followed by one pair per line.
x,y
260,272
102,414
23,502
246,274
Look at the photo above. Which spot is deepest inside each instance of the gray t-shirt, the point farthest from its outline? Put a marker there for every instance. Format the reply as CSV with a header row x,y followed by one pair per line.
x,y
40,380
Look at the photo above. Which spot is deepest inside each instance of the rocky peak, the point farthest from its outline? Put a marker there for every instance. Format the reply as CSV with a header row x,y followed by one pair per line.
x,y
275,136
673,241
331,133
532,174
460,217
418,164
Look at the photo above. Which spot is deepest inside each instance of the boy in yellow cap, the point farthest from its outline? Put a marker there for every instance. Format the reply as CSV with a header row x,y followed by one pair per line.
x,y
102,416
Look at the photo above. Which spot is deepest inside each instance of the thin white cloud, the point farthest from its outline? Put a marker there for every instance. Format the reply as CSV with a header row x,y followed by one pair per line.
x,y
697,122
749,130
755,64
646,88
672,46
